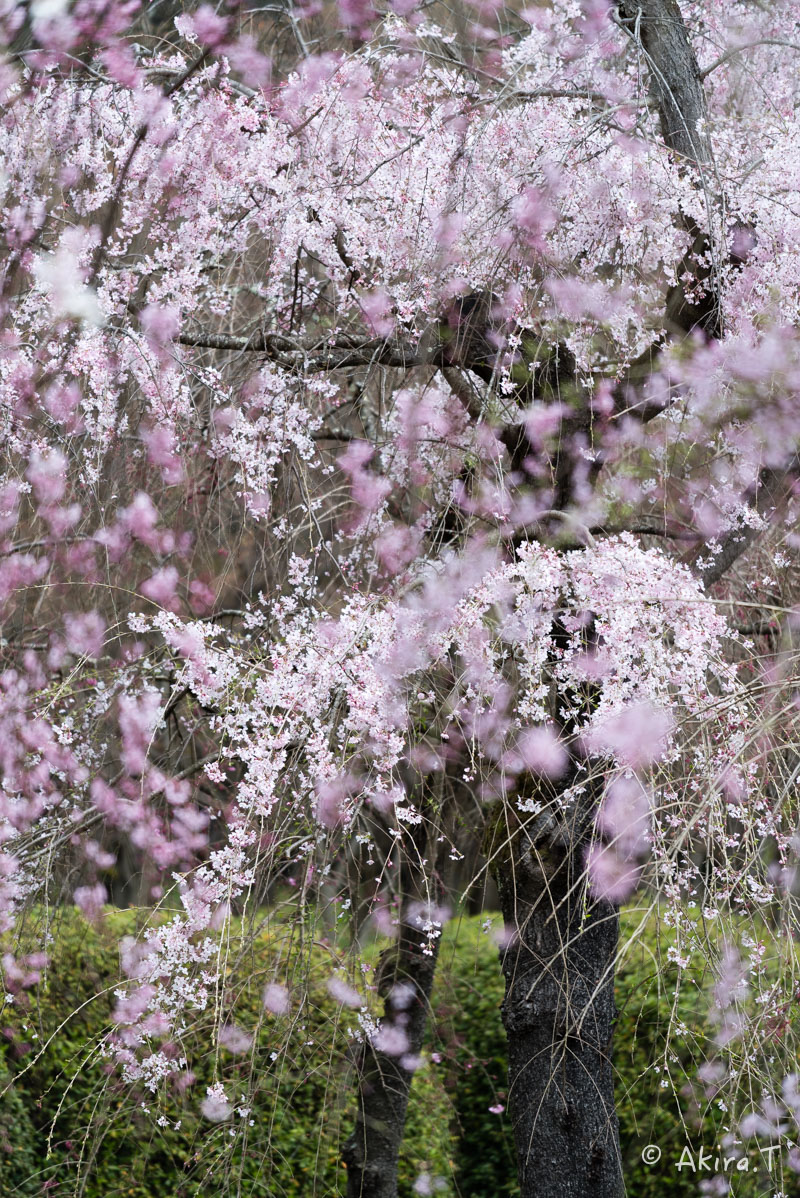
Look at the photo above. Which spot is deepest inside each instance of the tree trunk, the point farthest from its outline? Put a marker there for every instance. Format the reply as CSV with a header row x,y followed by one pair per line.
x,y
676,84
559,967
559,1014
405,981
559,1005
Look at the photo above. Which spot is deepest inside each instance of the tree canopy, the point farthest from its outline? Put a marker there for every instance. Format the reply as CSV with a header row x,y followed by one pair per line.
x,y
399,409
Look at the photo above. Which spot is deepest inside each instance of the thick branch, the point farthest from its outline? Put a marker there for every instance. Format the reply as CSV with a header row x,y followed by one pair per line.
x,y
261,342
768,498
306,358
675,80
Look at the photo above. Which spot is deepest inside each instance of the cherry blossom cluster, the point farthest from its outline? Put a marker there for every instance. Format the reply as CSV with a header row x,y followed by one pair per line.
x,y
270,562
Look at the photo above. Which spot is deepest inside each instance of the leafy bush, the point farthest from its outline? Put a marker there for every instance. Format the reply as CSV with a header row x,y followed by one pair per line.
x,y
65,1116
471,1041
69,1117
18,1159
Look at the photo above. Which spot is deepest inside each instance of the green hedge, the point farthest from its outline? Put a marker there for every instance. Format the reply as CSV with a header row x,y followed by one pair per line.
x,y
68,1100
69,1126
655,1067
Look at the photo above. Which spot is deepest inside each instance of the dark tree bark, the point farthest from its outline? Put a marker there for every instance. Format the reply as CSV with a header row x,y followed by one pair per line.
x,y
675,81
559,1015
676,86
405,981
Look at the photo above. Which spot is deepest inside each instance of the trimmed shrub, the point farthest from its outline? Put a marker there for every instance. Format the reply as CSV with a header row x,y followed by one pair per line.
x,y
71,1119
18,1157
66,1118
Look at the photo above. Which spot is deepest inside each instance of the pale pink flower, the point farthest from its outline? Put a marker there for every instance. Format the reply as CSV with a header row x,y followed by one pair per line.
x,y
377,308
138,717
390,1039
248,61
162,451
121,65
533,215
9,506
85,633
47,473
428,1184
160,323
541,751
132,1006
385,922
611,876
332,797
448,228
344,993
63,279
636,736
90,900
208,26
235,1039
215,1106
356,16
161,586
140,518
624,816
276,998
504,937
402,995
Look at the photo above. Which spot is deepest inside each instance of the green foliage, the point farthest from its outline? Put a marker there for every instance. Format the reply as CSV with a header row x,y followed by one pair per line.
x,y
68,1122
77,1128
18,1160
661,1039
654,1058
471,1041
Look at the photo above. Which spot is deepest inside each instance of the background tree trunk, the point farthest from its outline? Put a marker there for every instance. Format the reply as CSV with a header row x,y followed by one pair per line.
x,y
404,980
384,1080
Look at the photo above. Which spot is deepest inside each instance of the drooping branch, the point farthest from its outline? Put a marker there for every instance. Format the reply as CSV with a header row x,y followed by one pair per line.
x,y
694,302
460,345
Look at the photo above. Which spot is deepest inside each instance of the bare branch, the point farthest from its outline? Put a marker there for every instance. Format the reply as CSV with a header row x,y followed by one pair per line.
x,y
729,54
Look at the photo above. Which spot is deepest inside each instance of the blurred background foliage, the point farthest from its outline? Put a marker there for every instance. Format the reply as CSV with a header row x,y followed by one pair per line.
x,y
69,1125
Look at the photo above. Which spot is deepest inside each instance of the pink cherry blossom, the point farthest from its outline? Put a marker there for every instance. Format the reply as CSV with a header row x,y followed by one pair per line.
x,y
344,993
276,999
400,440
541,751
85,633
215,1106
